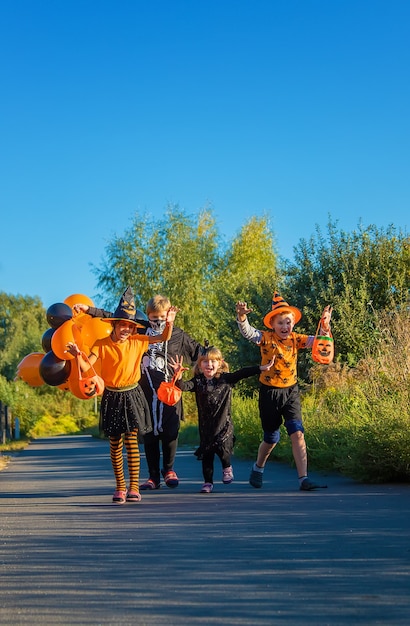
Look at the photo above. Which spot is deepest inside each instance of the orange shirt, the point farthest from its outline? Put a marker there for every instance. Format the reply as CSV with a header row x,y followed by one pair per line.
x,y
121,362
283,373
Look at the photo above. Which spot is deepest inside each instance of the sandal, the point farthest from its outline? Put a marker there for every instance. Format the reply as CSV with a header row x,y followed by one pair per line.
x,y
133,496
149,485
227,475
171,479
206,488
119,496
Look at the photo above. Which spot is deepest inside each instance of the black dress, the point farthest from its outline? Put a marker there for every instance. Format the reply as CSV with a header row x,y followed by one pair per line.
x,y
213,400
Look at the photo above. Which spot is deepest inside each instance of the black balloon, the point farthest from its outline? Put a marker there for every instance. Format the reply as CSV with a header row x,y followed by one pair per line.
x,y
58,313
53,370
46,339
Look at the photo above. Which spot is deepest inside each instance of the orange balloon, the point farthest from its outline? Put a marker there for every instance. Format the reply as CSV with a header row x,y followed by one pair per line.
x,y
64,387
62,335
78,298
80,318
28,369
95,328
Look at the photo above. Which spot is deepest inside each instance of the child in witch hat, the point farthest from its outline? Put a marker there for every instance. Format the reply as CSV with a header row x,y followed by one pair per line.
x,y
279,397
124,410
156,368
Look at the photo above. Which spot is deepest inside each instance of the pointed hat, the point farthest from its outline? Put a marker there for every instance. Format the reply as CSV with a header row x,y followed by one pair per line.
x,y
126,310
280,306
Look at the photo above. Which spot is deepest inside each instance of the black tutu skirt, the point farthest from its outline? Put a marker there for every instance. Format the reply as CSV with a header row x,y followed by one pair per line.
x,y
124,411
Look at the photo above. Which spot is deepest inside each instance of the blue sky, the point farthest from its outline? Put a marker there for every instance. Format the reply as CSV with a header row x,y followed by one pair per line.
x,y
295,110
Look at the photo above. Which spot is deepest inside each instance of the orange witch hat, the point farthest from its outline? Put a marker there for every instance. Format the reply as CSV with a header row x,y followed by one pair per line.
x,y
280,306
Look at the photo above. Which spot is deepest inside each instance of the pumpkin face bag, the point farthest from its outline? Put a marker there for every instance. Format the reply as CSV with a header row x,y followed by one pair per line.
x,y
87,387
91,386
323,348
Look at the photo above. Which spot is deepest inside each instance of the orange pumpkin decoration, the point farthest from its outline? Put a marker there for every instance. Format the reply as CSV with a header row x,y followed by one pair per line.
x,y
86,387
323,348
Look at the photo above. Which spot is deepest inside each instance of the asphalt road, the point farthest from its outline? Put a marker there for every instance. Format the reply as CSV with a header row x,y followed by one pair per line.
x,y
237,557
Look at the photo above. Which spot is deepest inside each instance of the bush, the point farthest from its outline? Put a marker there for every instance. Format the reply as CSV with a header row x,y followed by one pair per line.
x,y
35,407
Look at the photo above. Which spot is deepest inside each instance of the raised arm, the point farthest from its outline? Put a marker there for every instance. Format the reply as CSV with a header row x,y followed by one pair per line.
x,y
242,311
247,331
325,321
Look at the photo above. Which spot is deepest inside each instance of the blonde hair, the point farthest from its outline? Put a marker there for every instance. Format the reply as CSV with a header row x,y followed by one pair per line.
x,y
215,354
158,304
288,312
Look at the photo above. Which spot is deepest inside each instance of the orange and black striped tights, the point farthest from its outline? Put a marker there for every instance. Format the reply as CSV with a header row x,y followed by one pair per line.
x,y
133,459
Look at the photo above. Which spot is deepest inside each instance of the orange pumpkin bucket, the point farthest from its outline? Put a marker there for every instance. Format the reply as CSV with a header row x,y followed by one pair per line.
x,y
323,348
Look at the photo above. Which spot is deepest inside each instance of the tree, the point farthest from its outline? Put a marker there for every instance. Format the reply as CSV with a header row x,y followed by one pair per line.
x,y
22,324
177,256
248,272
357,273
183,257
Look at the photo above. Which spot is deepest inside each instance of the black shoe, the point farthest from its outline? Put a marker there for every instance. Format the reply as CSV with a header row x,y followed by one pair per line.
x,y
256,479
308,485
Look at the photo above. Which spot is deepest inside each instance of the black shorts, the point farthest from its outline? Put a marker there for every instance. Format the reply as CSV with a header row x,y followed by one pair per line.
x,y
277,404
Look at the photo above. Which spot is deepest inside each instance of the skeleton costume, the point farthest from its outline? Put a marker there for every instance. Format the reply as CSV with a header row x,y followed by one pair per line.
x,y
165,419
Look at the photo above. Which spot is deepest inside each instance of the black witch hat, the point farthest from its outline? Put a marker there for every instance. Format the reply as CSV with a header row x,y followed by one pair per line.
x,y
126,310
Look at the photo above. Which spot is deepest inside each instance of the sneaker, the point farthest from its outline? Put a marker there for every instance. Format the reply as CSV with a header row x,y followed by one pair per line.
x,y
119,496
133,496
227,475
206,488
150,485
256,479
171,479
308,485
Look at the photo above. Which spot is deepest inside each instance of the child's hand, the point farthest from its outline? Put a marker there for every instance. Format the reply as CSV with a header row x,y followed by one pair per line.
x,y
177,365
73,349
242,311
325,319
263,368
171,314
81,308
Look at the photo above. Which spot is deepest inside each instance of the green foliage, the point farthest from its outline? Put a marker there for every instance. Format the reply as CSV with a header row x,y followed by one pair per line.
x,y
248,272
22,324
358,273
49,426
31,405
182,257
176,256
358,419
